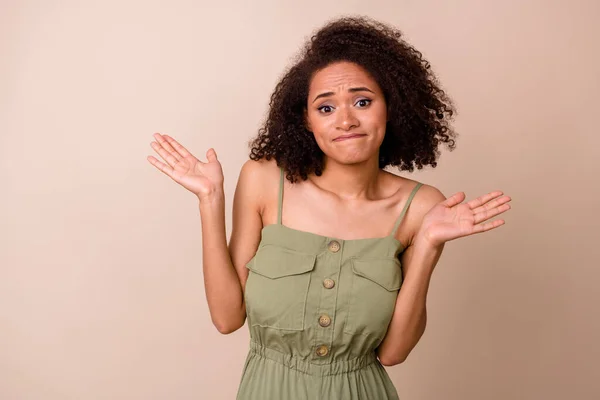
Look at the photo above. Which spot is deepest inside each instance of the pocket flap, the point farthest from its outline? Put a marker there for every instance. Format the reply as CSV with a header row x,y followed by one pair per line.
x,y
276,262
386,272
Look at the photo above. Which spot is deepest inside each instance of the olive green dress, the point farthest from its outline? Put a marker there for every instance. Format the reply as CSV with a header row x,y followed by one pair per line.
x,y
317,308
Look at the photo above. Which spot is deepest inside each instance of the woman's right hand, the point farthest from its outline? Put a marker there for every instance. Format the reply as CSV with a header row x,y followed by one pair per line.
x,y
204,179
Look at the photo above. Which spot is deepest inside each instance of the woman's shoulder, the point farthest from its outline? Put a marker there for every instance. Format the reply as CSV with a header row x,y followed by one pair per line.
x,y
260,171
425,194
261,180
425,197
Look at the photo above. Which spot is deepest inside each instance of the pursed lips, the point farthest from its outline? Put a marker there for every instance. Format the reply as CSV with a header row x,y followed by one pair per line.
x,y
351,136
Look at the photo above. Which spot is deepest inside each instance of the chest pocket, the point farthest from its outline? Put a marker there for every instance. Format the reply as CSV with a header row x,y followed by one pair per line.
x,y
373,293
277,287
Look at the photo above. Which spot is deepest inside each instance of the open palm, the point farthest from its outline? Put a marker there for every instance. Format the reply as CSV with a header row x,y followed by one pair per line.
x,y
452,219
200,178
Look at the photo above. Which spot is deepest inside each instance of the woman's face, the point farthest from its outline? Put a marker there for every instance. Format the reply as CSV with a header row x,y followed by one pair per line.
x,y
346,112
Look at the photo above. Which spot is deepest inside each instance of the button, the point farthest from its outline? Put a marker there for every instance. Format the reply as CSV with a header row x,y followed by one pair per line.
x,y
322,350
328,283
334,246
324,320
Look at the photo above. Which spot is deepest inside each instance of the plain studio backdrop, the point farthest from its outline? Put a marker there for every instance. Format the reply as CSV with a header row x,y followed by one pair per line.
x,y
101,287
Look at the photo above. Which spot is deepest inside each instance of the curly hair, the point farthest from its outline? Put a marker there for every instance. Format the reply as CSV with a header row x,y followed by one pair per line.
x,y
418,109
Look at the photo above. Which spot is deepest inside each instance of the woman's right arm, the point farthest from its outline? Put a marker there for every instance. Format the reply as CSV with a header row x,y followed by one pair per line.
x,y
224,267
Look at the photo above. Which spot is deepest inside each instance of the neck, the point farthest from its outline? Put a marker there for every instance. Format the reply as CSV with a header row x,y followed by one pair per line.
x,y
349,181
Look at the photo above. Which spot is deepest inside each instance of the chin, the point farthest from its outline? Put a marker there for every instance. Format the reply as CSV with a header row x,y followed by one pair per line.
x,y
353,160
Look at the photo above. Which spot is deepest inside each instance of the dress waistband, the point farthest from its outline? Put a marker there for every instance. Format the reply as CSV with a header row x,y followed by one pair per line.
x,y
293,362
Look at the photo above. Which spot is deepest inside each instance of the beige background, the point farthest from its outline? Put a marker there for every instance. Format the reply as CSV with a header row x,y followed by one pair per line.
x,y
101,290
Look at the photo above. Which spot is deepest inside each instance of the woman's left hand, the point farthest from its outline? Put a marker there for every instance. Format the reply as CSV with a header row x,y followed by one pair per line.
x,y
451,219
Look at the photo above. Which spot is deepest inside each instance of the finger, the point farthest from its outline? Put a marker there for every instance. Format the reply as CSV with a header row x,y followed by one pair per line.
x,y
487,214
168,157
455,199
488,226
492,204
161,166
484,199
180,149
161,140
211,155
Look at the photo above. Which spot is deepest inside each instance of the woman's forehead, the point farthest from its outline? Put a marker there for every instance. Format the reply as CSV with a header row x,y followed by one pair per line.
x,y
341,76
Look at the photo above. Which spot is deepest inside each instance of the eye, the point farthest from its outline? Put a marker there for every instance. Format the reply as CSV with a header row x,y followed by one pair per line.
x,y
363,102
325,109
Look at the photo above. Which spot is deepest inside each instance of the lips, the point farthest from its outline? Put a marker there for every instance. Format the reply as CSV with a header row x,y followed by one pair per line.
x,y
350,136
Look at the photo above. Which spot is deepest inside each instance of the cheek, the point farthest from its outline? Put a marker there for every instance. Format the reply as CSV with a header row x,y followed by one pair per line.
x,y
378,116
377,125
319,124
321,129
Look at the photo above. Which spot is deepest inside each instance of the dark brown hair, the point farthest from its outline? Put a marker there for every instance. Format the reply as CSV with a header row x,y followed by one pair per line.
x,y
419,111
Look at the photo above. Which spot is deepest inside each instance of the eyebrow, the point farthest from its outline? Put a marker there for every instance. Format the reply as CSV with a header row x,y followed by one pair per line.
x,y
351,90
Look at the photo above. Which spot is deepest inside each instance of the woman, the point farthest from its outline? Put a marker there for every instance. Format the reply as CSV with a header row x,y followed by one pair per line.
x,y
323,238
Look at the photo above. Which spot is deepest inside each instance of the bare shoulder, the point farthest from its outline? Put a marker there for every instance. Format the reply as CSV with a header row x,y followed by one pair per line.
x,y
259,169
261,179
426,197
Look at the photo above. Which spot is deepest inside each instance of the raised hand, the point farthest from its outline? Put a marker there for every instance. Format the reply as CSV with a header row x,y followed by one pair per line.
x,y
451,219
204,179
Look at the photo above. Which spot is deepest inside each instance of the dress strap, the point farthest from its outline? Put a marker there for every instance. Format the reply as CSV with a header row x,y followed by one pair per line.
x,y
280,203
401,217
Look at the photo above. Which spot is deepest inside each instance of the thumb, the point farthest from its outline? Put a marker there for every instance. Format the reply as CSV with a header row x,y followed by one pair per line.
x,y
455,199
211,155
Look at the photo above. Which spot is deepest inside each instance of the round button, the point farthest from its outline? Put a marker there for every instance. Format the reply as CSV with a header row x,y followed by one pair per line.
x,y
334,246
328,283
324,320
322,350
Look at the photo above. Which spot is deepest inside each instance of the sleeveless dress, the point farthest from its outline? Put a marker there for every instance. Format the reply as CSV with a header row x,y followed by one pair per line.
x,y
317,308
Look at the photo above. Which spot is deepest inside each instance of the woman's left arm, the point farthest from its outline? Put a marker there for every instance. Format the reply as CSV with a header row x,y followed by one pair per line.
x,y
447,219
410,315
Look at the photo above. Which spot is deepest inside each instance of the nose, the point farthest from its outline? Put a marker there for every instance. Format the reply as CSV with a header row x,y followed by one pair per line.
x,y
346,119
